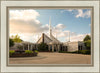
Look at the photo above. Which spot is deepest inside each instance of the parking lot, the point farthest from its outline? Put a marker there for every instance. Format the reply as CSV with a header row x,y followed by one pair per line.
x,y
53,58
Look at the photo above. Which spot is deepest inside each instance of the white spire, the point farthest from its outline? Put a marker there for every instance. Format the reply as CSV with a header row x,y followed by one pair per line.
x,y
56,35
50,21
50,31
38,36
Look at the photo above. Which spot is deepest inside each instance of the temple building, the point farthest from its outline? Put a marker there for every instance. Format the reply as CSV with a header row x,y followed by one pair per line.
x,y
53,43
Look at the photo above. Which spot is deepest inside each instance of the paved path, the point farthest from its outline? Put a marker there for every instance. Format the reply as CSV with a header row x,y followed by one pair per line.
x,y
53,58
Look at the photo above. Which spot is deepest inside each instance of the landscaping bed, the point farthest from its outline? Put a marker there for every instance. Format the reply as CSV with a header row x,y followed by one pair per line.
x,y
26,53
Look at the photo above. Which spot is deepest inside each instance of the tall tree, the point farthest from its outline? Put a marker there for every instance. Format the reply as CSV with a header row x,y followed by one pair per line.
x,y
11,42
87,37
17,39
87,42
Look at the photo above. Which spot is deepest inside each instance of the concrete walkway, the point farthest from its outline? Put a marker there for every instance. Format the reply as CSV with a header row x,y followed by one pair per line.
x,y
53,58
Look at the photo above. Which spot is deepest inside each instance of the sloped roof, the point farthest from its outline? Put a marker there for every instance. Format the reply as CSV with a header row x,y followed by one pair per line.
x,y
54,39
49,40
44,38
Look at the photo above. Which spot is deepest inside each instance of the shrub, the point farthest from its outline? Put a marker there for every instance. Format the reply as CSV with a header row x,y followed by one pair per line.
x,y
19,51
43,47
28,51
84,52
36,51
62,51
68,52
11,52
74,52
78,52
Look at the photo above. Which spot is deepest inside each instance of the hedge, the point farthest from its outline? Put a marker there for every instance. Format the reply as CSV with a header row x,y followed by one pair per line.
x,y
11,52
26,53
78,52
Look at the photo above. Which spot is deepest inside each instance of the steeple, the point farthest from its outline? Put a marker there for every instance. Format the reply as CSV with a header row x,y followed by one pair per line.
x,y
50,30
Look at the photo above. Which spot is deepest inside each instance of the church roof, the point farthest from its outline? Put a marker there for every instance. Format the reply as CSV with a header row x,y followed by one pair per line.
x,y
49,40
44,38
54,39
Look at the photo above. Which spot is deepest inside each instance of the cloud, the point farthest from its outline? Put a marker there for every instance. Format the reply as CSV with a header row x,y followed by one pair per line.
x,y
65,35
70,10
25,21
24,14
60,26
25,24
77,37
79,12
60,33
82,14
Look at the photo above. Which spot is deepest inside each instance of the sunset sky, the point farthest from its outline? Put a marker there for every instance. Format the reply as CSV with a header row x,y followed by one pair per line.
x,y
29,24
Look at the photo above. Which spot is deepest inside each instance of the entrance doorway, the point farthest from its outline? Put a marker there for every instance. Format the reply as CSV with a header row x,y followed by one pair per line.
x,y
50,48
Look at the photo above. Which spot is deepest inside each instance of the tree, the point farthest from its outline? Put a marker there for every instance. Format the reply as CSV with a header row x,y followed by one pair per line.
x,y
87,37
11,42
43,47
17,39
87,42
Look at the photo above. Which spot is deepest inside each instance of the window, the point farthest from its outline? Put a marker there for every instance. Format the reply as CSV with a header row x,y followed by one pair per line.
x,y
81,47
78,47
